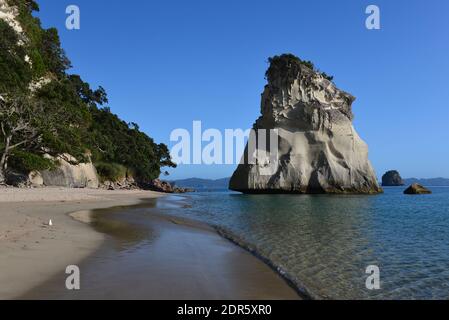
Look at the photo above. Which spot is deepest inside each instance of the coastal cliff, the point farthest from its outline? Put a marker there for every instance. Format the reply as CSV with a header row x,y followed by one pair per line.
x,y
51,119
319,151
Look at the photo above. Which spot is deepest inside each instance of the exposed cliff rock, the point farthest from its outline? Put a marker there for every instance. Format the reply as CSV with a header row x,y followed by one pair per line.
x,y
318,151
70,173
417,189
22,180
17,179
9,15
392,179
127,183
35,178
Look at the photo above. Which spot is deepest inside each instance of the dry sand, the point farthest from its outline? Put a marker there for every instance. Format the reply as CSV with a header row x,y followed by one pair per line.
x,y
30,250
188,261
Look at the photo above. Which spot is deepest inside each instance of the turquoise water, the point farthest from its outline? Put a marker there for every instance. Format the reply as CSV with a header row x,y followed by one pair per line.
x,y
324,243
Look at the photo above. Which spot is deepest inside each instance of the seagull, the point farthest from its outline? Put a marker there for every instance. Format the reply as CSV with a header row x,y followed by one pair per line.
x,y
50,223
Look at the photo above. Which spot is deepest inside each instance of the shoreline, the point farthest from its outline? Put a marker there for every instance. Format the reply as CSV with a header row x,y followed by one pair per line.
x,y
294,283
254,251
300,289
77,241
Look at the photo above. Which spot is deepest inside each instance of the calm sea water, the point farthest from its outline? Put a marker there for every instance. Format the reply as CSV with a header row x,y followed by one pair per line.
x,y
324,243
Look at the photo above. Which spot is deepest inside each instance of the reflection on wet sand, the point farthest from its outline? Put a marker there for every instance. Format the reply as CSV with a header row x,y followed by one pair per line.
x,y
148,256
125,232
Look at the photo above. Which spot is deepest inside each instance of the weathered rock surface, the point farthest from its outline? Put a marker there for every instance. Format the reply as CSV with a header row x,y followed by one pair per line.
x,y
125,183
392,179
35,178
417,189
17,179
9,15
69,173
22,180
166,187
319,150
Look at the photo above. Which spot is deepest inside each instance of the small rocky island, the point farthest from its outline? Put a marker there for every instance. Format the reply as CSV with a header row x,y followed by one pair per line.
x,y
392,178
417,189
319,150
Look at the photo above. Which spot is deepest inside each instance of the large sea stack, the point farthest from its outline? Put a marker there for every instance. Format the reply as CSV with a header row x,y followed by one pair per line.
x,y
318,150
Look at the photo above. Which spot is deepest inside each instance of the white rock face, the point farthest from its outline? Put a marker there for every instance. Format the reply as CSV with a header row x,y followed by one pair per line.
x,y
9,15
71,174
319,150
35,178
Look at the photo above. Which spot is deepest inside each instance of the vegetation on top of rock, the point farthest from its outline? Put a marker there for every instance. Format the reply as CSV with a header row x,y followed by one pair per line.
x,y
114,141
111,171
15,72
288,65
45,110
24,161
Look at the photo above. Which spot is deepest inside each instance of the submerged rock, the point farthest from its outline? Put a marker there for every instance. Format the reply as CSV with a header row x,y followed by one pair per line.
x,y
417,189
318,149
392,179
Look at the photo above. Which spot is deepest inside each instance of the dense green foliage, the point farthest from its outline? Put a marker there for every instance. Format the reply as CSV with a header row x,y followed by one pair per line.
x,y
70,117
24,161
15,73
111,171
116,141
288,65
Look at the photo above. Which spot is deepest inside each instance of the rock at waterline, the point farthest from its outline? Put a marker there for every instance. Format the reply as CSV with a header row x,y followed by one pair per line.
x,y
318,150
417,189
166,187
392,179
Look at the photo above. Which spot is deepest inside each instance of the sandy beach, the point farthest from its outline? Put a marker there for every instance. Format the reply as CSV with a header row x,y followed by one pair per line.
x,y
187,261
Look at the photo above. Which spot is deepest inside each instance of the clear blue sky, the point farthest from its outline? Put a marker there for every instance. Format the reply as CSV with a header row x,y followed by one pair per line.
x,y
167,63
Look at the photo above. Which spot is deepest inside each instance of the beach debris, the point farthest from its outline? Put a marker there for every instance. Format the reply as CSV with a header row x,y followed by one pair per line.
x,y
50,223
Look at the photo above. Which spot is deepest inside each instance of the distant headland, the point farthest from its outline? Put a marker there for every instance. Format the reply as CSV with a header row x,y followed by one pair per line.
x,y
216,184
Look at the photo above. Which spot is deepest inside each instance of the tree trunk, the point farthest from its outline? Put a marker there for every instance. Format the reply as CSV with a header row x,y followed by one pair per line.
x,y
4,161
2,177
3,170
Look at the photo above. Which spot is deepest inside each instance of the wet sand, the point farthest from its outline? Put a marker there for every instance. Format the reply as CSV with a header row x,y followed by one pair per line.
x,y
129,253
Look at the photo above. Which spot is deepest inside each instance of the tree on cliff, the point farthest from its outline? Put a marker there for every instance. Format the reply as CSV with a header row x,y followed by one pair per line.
x,y
19,128
115,141
15,72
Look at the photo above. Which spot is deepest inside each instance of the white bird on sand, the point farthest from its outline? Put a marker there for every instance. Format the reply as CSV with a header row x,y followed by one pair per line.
x,y
50,223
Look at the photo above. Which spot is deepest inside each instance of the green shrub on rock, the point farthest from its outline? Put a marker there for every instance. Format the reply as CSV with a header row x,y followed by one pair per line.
x,y
25,162
111,171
